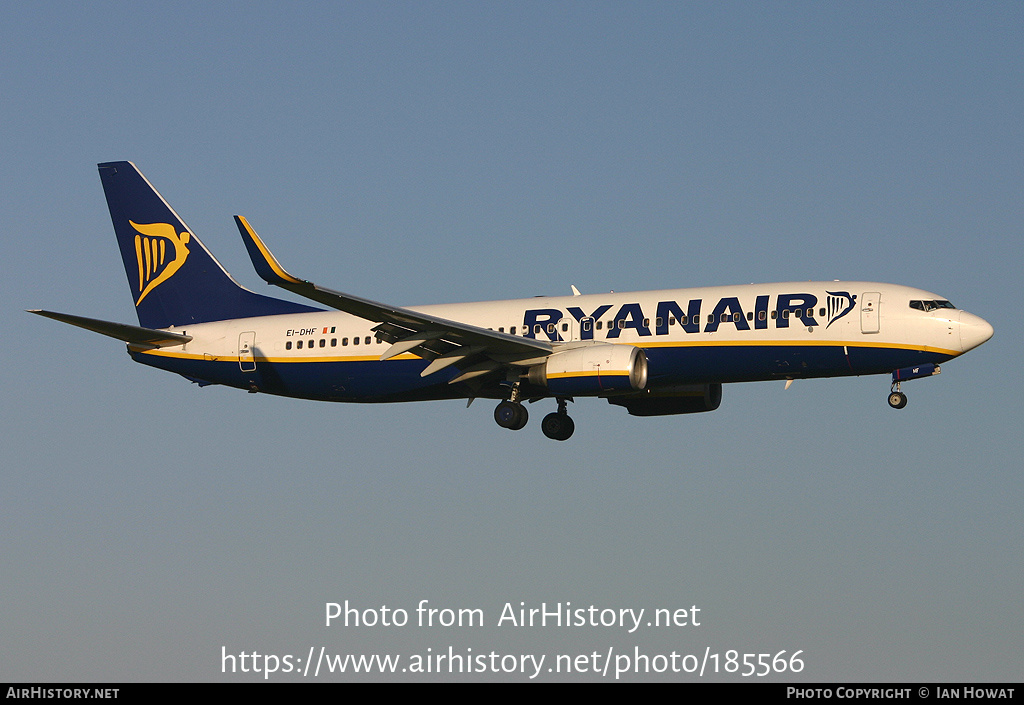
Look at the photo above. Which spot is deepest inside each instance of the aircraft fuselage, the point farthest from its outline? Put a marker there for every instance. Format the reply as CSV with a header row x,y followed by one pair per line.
x,y
690,336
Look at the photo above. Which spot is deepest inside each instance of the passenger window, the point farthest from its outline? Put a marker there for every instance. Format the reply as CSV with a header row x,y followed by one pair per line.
x,y
298,345
323,342
750,315
565,327
551,327
711,318
367,341
344,342
762,315
334,342
512,330
821,312
355,341
311,343
599,324
288,345
735,317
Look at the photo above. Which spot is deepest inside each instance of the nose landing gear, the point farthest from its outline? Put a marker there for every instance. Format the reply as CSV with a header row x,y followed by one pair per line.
x,y
897,399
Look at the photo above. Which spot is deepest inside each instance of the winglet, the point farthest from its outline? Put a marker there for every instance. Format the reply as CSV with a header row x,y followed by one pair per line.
x,y
265,263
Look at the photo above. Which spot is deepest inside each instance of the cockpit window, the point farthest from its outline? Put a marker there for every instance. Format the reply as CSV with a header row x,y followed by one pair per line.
x,y
931,305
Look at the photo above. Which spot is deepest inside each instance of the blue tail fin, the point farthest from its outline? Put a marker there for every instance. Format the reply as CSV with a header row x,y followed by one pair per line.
x,y
174,279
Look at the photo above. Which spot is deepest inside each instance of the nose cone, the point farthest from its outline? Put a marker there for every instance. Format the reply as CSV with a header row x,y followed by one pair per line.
x,y
974,331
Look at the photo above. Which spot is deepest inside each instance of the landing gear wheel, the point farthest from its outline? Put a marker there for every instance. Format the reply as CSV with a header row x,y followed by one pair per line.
x,y
897,400
524,416
511,415
558,426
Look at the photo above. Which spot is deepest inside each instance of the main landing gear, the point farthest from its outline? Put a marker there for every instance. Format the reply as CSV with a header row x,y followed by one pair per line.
x,y
512,415
558,426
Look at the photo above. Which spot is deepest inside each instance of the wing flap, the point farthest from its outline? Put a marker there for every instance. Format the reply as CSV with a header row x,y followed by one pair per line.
x,y
410,342
455,356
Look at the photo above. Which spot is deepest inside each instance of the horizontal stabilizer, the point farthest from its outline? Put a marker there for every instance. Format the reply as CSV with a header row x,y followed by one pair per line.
x,y
129,334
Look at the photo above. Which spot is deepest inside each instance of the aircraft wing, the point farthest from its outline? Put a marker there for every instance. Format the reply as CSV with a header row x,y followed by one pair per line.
x,y
475,351
135,335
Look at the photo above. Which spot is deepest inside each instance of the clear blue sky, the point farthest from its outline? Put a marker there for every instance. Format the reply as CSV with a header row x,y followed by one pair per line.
x,y
433,152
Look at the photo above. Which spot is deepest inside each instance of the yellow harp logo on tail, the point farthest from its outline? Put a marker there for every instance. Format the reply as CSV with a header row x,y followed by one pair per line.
x,y
160,252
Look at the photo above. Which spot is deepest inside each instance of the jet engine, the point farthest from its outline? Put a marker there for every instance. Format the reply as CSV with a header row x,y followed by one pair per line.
x,y
592,370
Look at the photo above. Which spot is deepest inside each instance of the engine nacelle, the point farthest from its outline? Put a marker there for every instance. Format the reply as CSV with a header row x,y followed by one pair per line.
x,y
592,370
684,399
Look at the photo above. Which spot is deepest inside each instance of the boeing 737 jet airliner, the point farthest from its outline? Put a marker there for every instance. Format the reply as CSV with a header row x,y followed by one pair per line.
x,y
652,352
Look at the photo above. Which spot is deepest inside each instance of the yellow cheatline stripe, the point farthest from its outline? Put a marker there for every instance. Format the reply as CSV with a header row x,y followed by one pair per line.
x,y
601,373
794,344
270,259
259,358
695,344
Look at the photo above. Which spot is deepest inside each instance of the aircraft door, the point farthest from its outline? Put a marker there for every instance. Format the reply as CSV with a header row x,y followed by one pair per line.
x,y
869,304
572,329
585,328
247,351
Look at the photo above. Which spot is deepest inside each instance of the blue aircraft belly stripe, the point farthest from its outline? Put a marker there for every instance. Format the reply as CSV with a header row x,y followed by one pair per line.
x,y
732,363
367,379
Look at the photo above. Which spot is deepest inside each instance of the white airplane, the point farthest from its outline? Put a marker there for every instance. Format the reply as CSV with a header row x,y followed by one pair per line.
x,y
653,352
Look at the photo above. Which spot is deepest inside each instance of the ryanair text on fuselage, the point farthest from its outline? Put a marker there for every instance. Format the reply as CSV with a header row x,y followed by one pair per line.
x,y
787,308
